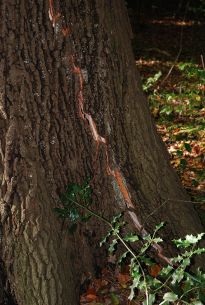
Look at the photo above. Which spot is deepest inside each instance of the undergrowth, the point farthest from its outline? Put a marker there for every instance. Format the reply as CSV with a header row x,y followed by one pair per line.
x,y
172,284
179,111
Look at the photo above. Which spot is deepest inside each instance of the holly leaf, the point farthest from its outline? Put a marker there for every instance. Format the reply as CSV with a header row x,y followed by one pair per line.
x,y
170,297
131,238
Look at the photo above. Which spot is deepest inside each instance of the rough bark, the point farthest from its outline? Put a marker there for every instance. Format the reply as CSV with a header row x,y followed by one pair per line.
x,y
45,144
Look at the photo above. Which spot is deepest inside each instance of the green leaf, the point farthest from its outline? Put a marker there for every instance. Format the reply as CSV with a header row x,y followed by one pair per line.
x,y
146,260
177,259
86,182
185,263
188,147
122,257
188,241
147,237
183,163
194,239
166,270
170,297
112,246
151,81
154,283
194,182
134,285
159,226
166,110
74,214
179,153
157,240
104,240
177,276
183,65
131,238
116,218
200,275
134,268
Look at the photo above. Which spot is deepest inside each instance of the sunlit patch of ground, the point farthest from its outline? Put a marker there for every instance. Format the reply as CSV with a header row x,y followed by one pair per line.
x,y
177,98
170,21
178,106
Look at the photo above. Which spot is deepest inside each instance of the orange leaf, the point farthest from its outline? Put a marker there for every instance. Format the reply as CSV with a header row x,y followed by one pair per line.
x,y
123,278
154,270
90,297
99,283
91,290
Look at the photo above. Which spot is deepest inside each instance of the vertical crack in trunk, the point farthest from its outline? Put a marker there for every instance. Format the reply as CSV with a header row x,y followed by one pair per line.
x,y
87,118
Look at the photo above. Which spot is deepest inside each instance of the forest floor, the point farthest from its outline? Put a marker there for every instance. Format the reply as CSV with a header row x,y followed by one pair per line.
x,y
171,60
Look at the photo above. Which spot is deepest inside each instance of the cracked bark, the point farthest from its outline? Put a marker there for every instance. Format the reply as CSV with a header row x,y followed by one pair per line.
x,y
45,145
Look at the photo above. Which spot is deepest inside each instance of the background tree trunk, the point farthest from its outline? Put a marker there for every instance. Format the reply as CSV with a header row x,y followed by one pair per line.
x,y
45,144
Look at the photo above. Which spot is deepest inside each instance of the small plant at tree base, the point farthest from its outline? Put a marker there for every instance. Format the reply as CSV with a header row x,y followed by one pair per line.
x,y
172,284
75,194
151,81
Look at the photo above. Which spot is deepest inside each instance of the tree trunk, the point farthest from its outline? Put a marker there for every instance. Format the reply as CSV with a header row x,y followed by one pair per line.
x,y
71,106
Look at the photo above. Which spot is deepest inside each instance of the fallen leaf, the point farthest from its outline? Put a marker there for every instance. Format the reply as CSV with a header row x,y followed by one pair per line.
x,y
90,297
154,270
123,278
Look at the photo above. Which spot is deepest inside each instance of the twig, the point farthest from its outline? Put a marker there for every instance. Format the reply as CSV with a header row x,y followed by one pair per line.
x,y
202,61
165,201
180,49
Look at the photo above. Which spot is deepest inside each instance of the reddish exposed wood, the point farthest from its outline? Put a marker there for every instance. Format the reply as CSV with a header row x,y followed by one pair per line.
x,y
99,139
